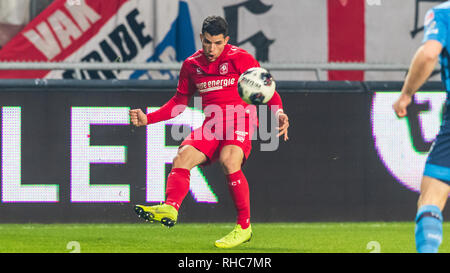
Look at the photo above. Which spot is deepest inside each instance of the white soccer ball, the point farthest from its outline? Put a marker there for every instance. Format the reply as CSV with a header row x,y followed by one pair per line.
x,y
256,86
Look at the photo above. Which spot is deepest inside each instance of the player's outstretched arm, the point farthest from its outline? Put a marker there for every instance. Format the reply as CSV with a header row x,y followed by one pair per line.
x,y
175,106
422,65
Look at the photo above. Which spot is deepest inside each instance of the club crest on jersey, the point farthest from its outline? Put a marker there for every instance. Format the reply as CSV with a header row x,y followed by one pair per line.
x,y
429,17
199,71
223,69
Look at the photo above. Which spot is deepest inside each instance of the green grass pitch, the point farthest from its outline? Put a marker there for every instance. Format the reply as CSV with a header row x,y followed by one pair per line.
x,y
385,237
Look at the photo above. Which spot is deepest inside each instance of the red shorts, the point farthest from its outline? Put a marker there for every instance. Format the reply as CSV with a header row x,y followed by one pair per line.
x,y
211,137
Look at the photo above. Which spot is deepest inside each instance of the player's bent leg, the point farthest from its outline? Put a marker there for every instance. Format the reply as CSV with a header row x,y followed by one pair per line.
x,y
176,190
165,214
179,178
188,157
428,230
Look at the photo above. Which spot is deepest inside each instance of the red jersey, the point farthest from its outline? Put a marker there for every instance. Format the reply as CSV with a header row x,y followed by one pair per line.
x,y
216,81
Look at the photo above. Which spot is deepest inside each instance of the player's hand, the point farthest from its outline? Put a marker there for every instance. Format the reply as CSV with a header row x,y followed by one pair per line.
x,y
400,105
138,118
283,124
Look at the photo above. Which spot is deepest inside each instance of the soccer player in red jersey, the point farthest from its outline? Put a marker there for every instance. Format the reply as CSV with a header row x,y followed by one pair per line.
x,y
213,71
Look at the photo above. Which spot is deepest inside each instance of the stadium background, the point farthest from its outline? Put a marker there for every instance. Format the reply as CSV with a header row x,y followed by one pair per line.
x,y
343,161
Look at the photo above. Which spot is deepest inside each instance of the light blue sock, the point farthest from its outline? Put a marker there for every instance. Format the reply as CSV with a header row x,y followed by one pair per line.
x,y
428,229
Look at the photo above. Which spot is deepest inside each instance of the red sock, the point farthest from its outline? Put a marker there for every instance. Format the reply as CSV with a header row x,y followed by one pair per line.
x,y
177,186
238,186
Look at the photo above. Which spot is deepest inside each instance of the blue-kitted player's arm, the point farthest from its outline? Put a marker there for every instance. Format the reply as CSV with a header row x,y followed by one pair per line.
x,y
436,26
424,60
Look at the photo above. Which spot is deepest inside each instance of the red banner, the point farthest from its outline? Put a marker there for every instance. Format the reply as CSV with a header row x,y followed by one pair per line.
x,y
57,32
346,37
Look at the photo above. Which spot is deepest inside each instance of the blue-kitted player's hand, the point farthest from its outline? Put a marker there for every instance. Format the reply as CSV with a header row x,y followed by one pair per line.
x,y
401,104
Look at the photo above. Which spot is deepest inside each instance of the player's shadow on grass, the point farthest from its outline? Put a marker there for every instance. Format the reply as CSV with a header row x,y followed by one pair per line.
x,y
272,250
262,250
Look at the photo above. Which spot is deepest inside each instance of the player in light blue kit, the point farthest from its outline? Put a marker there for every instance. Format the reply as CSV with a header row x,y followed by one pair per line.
x,y
435,185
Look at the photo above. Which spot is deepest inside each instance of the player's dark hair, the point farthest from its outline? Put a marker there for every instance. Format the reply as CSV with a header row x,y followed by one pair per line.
x,y
215,25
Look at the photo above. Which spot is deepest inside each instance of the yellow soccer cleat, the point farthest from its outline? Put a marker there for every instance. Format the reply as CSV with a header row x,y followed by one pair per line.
x,y
235,237
165,214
